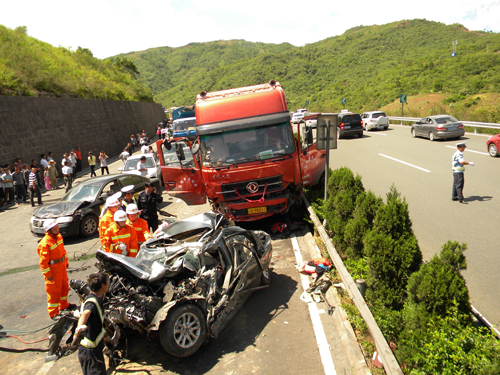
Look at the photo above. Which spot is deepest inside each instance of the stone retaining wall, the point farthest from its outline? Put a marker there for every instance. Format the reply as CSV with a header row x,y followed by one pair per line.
x,y
30,126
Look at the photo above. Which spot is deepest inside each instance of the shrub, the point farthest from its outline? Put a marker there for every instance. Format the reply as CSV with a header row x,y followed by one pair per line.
x,y
343,190
393,252
361,222
436,286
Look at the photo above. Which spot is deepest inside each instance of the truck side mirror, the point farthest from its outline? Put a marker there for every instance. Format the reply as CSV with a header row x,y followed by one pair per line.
x,y
309,135
195,148
167,144
179,150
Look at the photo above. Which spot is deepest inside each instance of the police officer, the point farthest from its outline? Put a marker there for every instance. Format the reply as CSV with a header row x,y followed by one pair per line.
x,y
147,203
128,196
458,165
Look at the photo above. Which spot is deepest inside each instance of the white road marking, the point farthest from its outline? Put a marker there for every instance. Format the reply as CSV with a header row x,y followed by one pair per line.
x,y
377,133
477,152
319,332
403,162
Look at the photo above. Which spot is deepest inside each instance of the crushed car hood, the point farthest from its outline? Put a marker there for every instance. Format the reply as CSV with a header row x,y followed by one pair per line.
x,y
56,209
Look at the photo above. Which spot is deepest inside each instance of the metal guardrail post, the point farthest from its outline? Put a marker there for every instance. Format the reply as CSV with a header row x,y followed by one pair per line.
x,y
391,365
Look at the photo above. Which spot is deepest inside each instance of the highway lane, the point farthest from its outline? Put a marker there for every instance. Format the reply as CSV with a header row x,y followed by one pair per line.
x,y
427,189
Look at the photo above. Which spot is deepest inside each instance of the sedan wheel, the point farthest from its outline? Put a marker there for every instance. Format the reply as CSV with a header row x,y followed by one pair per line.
x,y
493,150
413,133
88,226
431,136
184,330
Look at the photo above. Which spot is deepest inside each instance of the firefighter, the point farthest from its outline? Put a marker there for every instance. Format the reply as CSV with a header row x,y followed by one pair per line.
x,y
53,263
140,225
147,204
120,238
128,192
112,205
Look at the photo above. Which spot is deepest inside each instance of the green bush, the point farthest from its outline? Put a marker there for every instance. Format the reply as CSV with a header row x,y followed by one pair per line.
x,y
393,253
364,212
448,346
343,190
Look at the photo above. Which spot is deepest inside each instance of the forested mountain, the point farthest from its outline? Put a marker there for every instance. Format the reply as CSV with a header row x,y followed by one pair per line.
x,y
369,65
30,67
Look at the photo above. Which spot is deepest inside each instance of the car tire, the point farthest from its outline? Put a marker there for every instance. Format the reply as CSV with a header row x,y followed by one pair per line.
x,y
360,134
183,331
431,136
413,133
89,225
492,149
386,127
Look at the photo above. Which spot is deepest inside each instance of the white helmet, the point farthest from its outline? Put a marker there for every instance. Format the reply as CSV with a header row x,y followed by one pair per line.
x,y
112,202
120,215
132,209
49,224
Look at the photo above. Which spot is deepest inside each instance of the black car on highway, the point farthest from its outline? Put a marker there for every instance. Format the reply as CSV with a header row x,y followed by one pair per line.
x,y
349,124
78,211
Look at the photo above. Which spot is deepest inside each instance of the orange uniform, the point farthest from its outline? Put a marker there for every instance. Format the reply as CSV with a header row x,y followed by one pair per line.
x,y
115,234
141,229
104,223
54,262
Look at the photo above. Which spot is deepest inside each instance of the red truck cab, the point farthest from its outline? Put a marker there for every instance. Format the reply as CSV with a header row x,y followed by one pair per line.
x,y
247,161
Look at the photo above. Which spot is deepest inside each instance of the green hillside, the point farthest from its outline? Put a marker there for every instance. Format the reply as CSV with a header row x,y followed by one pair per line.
x,y
31,67
369,65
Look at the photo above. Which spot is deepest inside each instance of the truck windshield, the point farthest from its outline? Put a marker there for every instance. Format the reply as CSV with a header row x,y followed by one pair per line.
x,y
244,145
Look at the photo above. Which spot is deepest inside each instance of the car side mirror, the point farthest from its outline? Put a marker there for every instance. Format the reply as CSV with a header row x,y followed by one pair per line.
x,y
167,144
195,148
104,196
179,150
309,136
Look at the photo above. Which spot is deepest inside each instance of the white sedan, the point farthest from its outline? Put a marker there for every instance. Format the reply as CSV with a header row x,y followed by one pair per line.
x,y
152,165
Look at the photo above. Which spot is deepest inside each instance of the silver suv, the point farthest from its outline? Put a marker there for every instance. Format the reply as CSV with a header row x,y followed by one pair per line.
x,y
375,120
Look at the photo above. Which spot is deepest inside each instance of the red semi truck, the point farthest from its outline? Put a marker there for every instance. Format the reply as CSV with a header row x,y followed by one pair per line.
x,y
248,160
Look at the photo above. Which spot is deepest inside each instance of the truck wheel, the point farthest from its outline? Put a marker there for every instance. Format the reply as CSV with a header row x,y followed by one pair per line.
x,y
184,330
88,226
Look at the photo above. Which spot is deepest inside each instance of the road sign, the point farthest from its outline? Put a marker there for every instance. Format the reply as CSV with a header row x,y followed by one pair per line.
x,y
402,98
344,101
327,137
307,103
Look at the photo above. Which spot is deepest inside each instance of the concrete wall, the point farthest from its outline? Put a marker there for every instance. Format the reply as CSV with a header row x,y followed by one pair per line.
x,y
30,126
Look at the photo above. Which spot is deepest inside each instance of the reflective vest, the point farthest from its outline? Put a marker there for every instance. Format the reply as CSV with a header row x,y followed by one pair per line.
x,y
85,341
104,223
126,235
455,162
141,229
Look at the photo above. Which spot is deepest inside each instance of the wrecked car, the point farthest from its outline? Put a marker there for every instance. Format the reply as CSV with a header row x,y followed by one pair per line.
x,y
187,282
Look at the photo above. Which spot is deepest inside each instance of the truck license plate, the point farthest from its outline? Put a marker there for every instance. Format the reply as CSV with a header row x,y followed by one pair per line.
x,y
257,210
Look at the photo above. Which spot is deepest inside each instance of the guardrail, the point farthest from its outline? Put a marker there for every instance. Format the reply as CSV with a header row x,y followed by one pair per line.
x,y
391,365
475,125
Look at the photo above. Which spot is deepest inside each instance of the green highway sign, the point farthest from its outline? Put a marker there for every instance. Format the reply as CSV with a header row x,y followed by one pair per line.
x,y
344,100
402,98
307,103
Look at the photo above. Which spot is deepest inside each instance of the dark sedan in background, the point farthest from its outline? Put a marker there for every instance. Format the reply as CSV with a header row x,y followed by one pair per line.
x,y
78,211
438,127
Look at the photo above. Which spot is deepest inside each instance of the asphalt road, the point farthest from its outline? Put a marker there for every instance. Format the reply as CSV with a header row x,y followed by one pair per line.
x,y
426,183
272,334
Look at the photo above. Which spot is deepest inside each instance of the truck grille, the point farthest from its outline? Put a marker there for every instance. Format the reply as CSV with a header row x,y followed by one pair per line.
x,y
274,184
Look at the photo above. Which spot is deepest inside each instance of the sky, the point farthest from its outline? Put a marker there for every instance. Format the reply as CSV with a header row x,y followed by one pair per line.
x,y
110,27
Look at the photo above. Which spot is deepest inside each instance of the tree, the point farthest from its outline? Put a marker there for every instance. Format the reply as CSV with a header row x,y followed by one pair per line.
x,y
393,252
126,65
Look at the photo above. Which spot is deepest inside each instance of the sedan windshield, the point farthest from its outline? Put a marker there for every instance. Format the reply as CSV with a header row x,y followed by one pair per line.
x,y
250,144
131,164
445,120
83,192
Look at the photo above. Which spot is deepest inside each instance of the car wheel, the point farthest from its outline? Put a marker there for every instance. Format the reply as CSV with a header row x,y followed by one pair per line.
x,y
386,127
431,136
492,149
366,128
360,134
265,278
413,133
184,330
88,226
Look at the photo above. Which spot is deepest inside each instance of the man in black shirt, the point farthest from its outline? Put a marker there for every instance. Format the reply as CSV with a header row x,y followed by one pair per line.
x,y
91,324
147,203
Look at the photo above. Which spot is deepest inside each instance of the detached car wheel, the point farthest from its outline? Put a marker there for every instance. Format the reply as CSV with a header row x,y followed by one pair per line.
x,y
88,226
184,330
492,149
